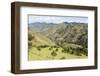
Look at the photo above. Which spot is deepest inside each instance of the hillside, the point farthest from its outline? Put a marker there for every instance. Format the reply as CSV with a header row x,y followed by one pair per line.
x,y
63,32
39,39
57,41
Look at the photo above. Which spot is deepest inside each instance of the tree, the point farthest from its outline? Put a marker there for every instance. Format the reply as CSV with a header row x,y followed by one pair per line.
x,y
30,37
53,53
56,49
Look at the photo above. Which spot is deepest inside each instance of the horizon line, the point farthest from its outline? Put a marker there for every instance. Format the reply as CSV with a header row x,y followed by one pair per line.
x,y
59,22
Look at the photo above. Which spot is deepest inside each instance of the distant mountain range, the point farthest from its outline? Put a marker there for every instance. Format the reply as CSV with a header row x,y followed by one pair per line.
x,y
42,26
62,33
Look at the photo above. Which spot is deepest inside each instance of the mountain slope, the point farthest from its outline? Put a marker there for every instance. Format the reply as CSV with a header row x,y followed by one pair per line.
x,y
39,39
65,32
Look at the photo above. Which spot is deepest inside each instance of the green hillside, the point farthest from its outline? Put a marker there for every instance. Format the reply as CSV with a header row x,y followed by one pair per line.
x,y
57,41
39,39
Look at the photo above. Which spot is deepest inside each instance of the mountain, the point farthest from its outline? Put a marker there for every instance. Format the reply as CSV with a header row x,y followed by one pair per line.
x,y
57,41
62,33
42,27
39,39
39,27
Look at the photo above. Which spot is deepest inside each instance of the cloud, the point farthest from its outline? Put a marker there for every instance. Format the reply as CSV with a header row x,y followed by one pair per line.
x,y
57,19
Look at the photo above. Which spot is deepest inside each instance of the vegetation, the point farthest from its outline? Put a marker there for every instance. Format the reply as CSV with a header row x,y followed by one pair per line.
x,y
58,41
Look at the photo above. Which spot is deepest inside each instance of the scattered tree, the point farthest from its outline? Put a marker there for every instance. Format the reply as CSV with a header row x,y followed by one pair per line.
x,y
53,53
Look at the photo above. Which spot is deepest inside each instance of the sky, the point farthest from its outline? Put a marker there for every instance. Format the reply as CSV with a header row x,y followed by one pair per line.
x,y
56,19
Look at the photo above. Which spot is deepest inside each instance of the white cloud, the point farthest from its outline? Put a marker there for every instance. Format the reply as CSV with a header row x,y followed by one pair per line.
x,y
56,19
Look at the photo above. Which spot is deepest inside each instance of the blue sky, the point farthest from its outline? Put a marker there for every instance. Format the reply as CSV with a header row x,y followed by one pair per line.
x,y
57,19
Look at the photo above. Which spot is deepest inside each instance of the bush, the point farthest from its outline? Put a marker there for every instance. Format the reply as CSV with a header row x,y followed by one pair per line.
x,y
63,50
38,48
85,51
56,49
77,53
50,48
44,46
72,52
63,58
55,46
66,49
30,37
53,53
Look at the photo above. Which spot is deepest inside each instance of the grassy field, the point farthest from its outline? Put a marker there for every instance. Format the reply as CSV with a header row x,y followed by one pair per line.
x,y
50,54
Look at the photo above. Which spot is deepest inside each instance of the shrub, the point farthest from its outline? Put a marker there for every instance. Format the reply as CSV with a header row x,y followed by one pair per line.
x,y
38,48
63,58
55,46
50,48
63,51
53,53
72,52
85,51
56,49
44,46
66,49
77,53
30,37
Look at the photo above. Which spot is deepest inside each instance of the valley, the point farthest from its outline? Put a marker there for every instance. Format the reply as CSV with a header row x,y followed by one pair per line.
x,y
50,41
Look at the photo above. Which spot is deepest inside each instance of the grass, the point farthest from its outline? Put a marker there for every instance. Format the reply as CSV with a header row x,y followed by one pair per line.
x,y
42,48
40,40
45,54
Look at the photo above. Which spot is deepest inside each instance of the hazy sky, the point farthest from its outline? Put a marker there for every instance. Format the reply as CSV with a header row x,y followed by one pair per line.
x,y
57,19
